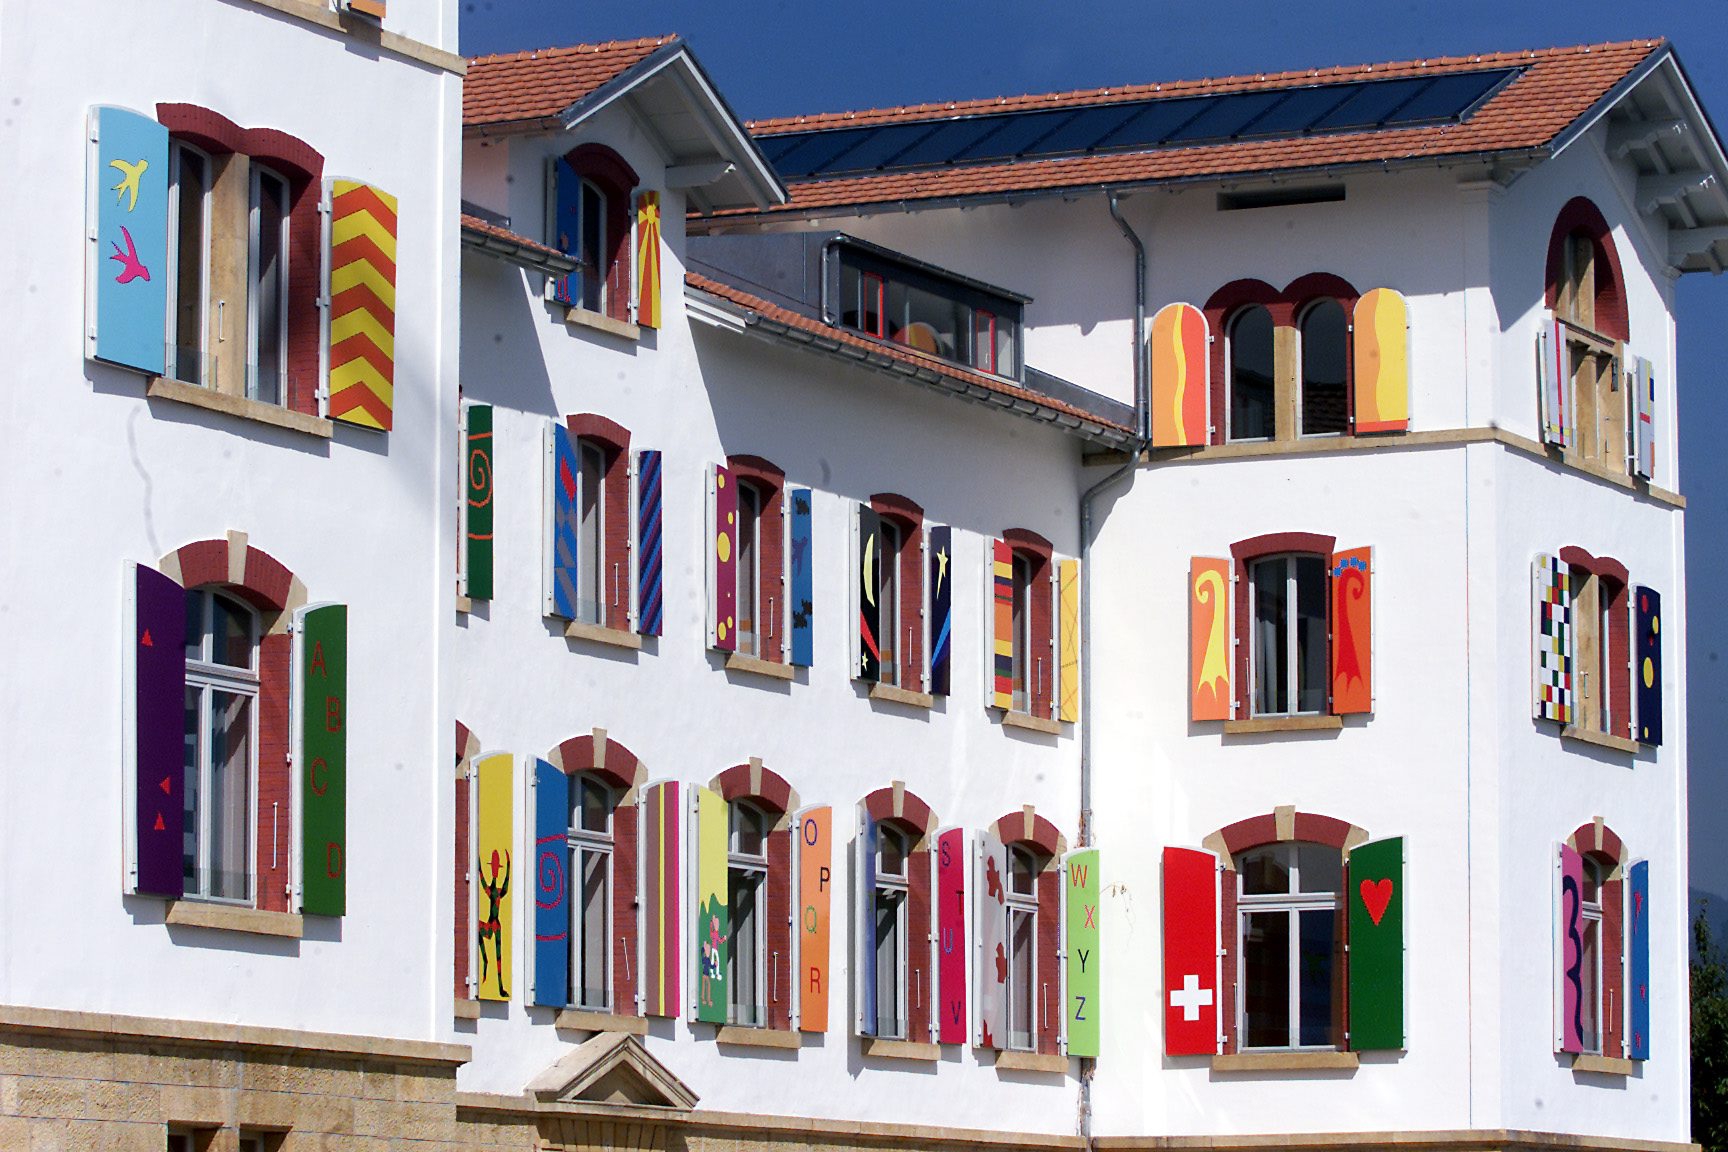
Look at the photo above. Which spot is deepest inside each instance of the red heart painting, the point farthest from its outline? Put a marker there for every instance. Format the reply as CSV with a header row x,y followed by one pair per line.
x,y
1376,895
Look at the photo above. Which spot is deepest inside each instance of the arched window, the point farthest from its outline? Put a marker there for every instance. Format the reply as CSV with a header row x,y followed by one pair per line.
x,y
587,573
222,689
1024,976
1018,908
1324,404
890,557
758,895
1290,964
893,971
1251,375
1602,948
592,187
888,911
1585,291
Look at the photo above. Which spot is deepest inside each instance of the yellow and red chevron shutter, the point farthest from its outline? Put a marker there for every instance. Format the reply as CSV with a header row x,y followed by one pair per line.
x,y
648,259
362,304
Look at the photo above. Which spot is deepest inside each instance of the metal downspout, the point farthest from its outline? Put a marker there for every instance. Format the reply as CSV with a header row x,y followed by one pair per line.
x,y
1142,434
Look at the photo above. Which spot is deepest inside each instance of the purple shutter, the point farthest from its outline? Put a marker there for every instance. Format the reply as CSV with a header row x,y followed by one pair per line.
x,y
158,697
1570,930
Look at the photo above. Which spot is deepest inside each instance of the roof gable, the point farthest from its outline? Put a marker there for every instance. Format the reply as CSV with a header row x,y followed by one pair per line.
x,y
612,1068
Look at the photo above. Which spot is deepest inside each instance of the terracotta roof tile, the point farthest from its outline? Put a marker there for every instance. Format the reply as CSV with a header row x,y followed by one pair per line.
x,y
486,228
537,85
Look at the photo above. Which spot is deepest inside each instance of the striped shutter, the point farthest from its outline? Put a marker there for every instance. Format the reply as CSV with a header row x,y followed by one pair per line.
x,y
1551,640
1001,601
1647,663
1569,951
1190,952
1376,936
991,907
1181,377
815,886
1208,638
321,657
648,259
477,506
1352,631
723,560
551,890
1068,640
1554,381
1644,418
951,859
712,939
362,269
659,813
126,301
802,593
1381,352
941,585
864,916
1081,951
1638,958
494,883
561,522
867,581
650,607
155,703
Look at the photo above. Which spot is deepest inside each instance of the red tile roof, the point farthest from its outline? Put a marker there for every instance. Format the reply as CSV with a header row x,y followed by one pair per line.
x,y
486,228
900,352
1556,87
532,86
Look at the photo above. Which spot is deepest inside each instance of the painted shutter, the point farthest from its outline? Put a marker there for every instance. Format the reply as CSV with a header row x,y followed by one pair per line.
x,y
1381,351
661,923
1551,640
1181,377
1648,662
561,522
867,581
1569,951
723,575
803,594
564,194
1208,638
991,905
494,896
1352,631
1190,952
127,238
477,507
155,695
551,792
372,8
941,583
864,939
1081,949
1068,640
815,893
1638,959
650,609
648,259
713,908
323,756
951,936
1001,601
1554,382
1644,418
1376,936
362,268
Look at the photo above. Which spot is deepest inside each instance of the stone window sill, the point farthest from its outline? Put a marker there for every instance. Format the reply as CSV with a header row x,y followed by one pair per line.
x,y
1031,723
1283,724
897,695
463,603
1283,1061
600,322
1600,739
899,1049
467,1010
227,918
162,388
743,1036
600,634
1012,1061
756,666
1604,1065
577,1020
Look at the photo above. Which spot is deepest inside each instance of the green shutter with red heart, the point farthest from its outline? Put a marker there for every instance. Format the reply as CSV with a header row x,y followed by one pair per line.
x,y
1376,927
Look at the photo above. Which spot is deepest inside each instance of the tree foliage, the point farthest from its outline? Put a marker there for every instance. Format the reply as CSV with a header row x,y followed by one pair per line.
x,y
1709,1036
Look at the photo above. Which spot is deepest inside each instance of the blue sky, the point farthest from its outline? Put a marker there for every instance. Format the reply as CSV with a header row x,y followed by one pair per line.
x,y
777,57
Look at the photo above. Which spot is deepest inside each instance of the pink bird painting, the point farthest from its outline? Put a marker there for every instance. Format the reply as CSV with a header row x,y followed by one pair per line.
x,y
131,268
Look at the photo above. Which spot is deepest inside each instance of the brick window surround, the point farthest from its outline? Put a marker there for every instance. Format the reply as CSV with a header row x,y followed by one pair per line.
x,y
260,579
896,806
467,751
1614,583
1243,553
303,167
908,517
1598,842
619,769
770,792
613,440
770,484
1031,831
613,176
1282,826
1580,217
1286,308
1041,658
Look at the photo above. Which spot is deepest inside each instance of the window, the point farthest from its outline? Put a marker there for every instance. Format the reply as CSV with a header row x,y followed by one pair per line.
x,y
888,909
589,243
749,569
590,532
590,843
1290,941
949,316
889,553
1325,407
1023,973
189,211
893,963
1251,375
591,192
1585,293
1289,636
1018,903
267,289
1603,977
1601,638
1024,651
1022,633
758,594
1590,970
747,882
586,575
222,686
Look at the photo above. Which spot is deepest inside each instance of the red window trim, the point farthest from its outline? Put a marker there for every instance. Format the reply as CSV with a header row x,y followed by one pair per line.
x,y
908,517
1580,216
1600,843
614,441
1224,306
881,329
1244,553
770,483
613,176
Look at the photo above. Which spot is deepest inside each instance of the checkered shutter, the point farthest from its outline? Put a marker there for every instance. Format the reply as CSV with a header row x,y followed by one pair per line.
x,y
1551,640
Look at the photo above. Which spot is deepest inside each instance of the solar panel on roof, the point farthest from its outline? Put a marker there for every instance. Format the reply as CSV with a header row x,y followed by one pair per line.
x,y
877,147
1300,109
1154,123
1227,117
1448,96
1015,135
1084,130
949,137
1372,105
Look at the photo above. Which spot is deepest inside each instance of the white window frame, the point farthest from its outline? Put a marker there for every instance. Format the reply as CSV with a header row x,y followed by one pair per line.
x,y
207,677
1302,432
1025,904
896,885
583,842
1230,436
254,213
1292,903
175,149
1292,623
738,860
597,259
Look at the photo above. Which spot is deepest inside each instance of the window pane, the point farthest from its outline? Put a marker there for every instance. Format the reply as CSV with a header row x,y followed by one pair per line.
x,y
888,602
1271,635
744,977
191,186
935,324
1592,881
1021,1000
888,975
231,628
1266,972
1021,640
197,603
593,254
230,796
1323,338
594,806
898,313
1264,871
191,793
1320,868
1022,872
749,517
595,933
1316,965
269,289
890,852
1251,375
1311,640
591,561
1590,997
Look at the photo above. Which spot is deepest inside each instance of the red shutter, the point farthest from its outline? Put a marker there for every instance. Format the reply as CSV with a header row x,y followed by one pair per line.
x,y
1352,631
1190,952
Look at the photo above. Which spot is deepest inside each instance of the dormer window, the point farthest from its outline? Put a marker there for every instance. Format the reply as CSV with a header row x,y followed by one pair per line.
x,y
949,316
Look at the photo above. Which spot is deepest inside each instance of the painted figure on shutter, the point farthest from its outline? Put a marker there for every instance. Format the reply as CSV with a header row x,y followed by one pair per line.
x,y
496,888
1211,640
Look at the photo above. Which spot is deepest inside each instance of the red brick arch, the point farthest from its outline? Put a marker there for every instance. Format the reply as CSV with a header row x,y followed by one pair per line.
x,y
1600,843
770,483
1580,216
613,176
613,440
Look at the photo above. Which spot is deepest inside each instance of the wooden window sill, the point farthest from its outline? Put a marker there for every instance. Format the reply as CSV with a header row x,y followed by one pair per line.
x,y
1031,723
1600,739
744,1036
467,1010
600,634
1603,1065
162,388
899,1049
756,666
578,1020
600,322
1283,1061
227,918
894,694
1283,724
1013,1061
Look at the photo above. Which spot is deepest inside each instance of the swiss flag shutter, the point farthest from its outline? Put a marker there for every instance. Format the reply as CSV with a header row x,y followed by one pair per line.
x,y
1376,935
1181,377
551,890
1190,952
1352,631
1209,638
156,727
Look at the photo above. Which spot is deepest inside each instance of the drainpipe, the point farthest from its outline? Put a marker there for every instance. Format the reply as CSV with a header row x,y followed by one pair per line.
x,y
1142,437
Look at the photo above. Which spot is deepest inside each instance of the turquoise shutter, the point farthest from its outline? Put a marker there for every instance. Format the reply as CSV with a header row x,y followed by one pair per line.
x,y
127,300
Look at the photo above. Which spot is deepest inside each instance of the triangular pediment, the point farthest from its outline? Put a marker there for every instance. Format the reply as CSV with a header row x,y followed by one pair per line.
x,y
612,1068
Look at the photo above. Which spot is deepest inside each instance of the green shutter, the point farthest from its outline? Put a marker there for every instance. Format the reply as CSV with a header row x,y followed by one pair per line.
x,y
322,708
477,510
1377,945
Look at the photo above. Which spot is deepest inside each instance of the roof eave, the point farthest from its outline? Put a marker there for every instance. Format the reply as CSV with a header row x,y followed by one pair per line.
x,y
524,255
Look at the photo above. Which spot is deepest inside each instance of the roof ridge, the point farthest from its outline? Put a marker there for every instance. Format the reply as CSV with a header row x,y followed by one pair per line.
x,y
940,109
555,51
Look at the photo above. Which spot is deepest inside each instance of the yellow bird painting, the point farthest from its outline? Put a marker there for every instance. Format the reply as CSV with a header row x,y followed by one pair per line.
x,y
128,180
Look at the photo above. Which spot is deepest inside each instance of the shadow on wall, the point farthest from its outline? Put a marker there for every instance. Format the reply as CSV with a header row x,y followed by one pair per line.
x,y
504,321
